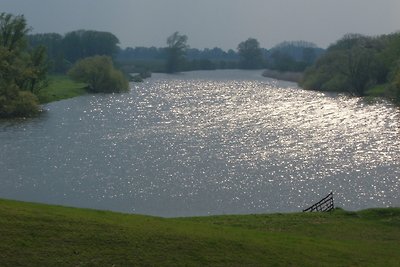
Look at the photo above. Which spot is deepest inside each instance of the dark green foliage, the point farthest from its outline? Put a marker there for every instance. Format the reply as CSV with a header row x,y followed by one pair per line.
x,y
63,51
393,88
175,51
250,54
81,44
13,30
22,72
396,85
100,75
25,104
215,54
16,103
54,48
38,67
356,64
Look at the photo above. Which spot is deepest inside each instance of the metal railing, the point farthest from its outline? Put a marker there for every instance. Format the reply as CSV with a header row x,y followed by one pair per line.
x,y
326,204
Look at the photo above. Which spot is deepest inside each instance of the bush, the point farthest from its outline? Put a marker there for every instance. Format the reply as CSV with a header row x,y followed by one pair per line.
x,y
100,75
24,104
393,89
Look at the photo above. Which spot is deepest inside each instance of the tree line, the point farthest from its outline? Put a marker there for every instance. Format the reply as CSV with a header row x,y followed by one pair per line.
x,y
287,56
90,56
355,64
358,65
25,61
64,50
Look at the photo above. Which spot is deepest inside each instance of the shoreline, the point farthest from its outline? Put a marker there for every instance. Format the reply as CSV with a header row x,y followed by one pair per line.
x,y
284,76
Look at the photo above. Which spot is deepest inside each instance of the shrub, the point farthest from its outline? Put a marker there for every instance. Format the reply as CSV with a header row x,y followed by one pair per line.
x,y
393,89
100,74
24,104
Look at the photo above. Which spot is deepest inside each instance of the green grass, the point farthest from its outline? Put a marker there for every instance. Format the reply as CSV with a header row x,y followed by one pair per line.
x,y
377,91
42,235
61,87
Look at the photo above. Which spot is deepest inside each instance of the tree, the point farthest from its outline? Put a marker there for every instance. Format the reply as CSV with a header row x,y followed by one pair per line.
x,y
356,65
350,65
250,54
81,44
54,50
38,66
283,61
176,49
13,30
17,68
100,75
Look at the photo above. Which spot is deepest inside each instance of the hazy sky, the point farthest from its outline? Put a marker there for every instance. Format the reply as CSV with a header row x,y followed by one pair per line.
x,y
210,23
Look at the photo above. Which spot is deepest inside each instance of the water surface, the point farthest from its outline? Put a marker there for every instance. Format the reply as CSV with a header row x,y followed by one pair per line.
x,y
199,143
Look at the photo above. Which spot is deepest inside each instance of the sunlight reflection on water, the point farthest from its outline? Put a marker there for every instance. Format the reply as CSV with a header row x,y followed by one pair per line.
x,y
206,143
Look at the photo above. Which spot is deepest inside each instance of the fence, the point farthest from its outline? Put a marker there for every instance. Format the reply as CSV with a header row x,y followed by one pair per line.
x,y
326,204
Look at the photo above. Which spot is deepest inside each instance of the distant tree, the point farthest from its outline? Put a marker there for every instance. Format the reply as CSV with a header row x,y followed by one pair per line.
x,y
309,55
54,49
138,59
140,53
283,61
20,71
100,75
81,44
293,55
176,49
250,54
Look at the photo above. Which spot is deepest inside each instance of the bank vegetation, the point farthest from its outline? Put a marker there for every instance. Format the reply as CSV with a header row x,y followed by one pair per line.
x,y
358,65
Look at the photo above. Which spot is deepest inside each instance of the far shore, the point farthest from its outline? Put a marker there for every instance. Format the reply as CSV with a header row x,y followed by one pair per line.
x,y
285,76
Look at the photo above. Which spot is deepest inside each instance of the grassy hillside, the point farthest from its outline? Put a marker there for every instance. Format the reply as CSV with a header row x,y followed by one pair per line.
x,y
61,87
42,235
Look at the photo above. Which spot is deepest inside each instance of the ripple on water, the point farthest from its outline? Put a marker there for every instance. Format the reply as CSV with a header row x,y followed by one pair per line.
x,y
205,143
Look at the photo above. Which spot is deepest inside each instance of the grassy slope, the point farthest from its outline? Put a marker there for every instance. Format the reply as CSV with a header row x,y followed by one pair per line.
x,y
61,87
41,235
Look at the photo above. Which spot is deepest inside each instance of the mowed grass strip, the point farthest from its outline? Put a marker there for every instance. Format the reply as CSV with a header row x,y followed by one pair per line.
x,y
61,87
44,235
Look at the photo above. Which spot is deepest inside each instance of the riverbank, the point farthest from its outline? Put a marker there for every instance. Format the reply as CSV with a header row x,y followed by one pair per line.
x,y
61,87
284,76
376,92
44,235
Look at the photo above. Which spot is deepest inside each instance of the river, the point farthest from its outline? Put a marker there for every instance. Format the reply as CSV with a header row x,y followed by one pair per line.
x,y
205,143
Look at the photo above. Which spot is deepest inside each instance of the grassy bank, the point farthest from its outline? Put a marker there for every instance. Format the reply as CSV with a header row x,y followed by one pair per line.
x,y
61,87
41,235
